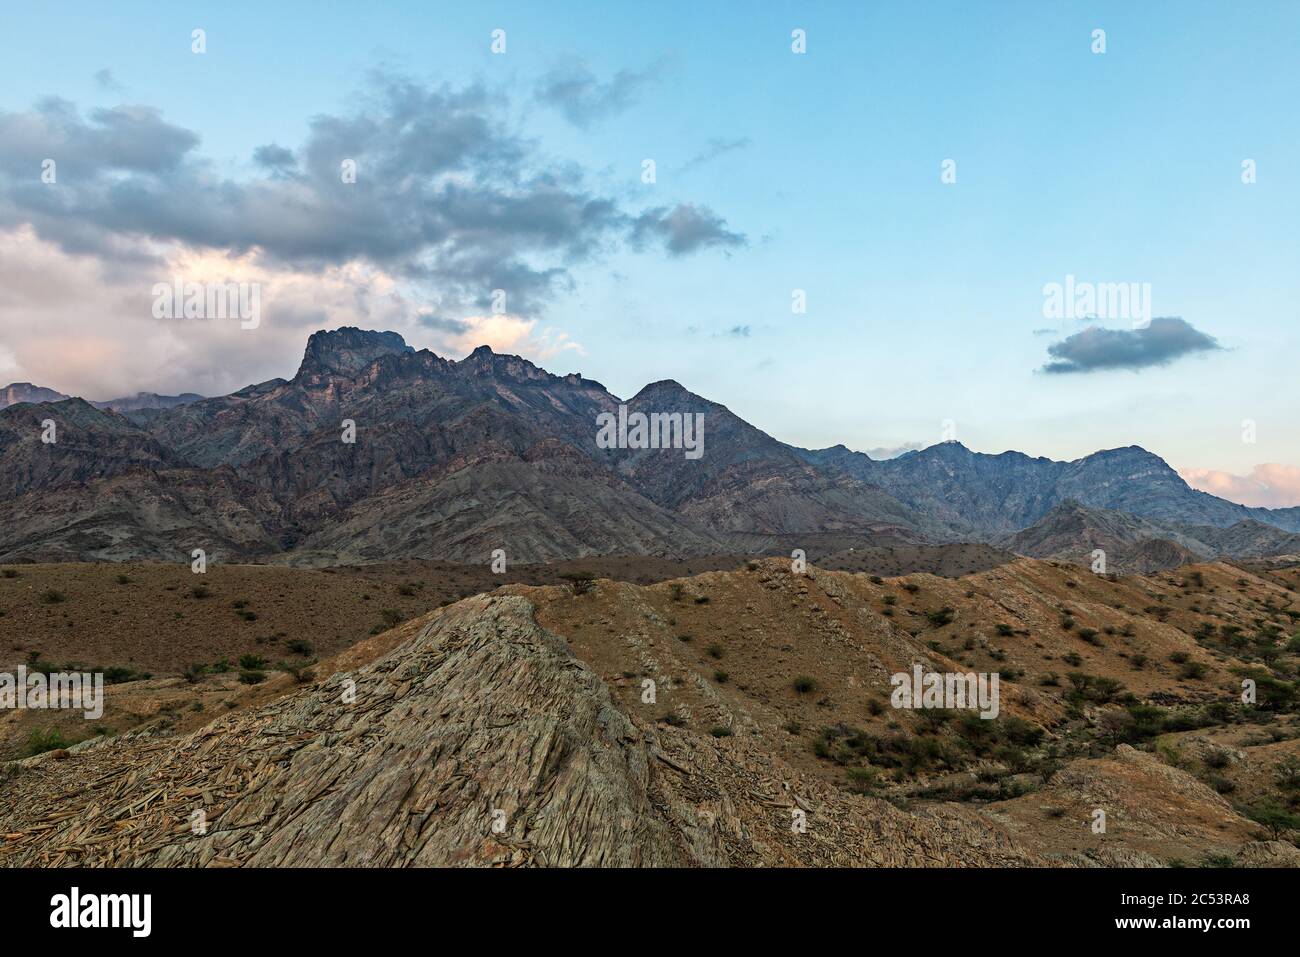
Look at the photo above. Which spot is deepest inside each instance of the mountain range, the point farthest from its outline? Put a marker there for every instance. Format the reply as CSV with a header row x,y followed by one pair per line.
x,y
454,459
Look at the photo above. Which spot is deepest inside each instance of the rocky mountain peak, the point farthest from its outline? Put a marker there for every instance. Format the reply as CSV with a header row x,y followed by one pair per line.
x,y
17,392
483,361
348,350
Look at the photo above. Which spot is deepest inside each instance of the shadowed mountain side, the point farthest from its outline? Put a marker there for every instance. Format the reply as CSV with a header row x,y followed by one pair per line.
x,y
544,509
987,496
1133,545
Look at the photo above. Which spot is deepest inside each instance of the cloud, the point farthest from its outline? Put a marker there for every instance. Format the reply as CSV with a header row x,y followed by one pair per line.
x,y
573,90
1165,339
513,335
683,229
1270,485
445,195
105,80
275,157
449,206
714,149
893,451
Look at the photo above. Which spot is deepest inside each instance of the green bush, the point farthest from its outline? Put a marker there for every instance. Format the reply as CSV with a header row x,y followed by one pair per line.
x,y
49,739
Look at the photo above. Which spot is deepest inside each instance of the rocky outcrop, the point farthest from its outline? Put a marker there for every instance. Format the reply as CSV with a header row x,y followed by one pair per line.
x,y
481,741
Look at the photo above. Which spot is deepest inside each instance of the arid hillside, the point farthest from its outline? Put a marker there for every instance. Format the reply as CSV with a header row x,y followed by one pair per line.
x,y
739,717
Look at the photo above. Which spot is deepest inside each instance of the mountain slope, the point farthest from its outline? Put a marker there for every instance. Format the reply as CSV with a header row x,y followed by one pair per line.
x,y
376,450
994,495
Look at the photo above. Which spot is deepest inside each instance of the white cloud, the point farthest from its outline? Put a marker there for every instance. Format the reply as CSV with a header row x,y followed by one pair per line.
x,y
69,325
1270,485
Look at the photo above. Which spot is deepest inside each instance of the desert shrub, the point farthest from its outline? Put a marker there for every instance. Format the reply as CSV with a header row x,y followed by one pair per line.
x,y
862,780
1094,687
251,677
716,650
1148,720
1220,784
300,646
390,616
52,596
1192,670
1019,731
1067,622
944,616
252,662
1277,820
804,684
1072,658
1004,630
1089,635
301,672
1217,758
194,673
123,579
47,739
9,572
581,582
116,674
721,731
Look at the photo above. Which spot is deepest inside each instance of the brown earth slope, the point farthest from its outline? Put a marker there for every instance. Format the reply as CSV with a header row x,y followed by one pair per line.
x,y
701,720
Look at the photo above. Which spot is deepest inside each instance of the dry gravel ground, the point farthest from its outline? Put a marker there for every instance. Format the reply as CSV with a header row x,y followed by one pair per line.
x,y
534,699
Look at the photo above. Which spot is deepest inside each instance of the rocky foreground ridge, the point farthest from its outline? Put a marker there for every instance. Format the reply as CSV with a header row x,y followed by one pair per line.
x,y
510,729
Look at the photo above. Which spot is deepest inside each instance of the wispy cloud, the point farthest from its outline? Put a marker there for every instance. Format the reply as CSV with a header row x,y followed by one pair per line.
x,y
715,149
105,80
583,100
684,228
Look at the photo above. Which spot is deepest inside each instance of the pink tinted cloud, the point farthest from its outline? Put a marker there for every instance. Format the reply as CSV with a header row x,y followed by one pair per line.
x,y
1270,485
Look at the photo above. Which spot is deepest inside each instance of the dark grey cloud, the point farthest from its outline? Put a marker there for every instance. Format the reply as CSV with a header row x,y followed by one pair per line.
x,y
685,228
275,157
583,100
713,149
442,323
124,139
445,193
1094,349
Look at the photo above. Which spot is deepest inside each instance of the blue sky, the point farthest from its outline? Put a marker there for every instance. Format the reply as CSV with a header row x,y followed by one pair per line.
x,y
925,299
